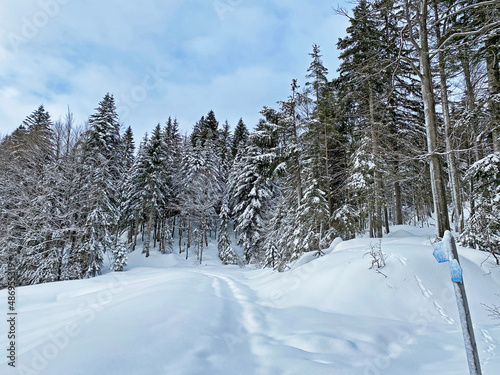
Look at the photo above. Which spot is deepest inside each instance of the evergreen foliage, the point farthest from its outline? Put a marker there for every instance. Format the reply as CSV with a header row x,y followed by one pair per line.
x,y
483,228
414,107
249,193
226,253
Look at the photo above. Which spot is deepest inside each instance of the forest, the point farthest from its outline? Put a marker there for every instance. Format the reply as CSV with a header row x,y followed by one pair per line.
x,y
408,132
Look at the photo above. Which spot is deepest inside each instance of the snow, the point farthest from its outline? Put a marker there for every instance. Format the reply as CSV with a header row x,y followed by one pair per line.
x,y
327,315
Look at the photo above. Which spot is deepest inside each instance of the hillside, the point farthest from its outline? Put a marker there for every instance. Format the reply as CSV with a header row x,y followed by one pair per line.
x,y
331,315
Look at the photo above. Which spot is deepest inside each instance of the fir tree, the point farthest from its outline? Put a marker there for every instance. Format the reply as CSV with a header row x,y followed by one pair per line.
x,y
240,138
119,257
128,149
279,241
102,168
483,228
312,222
226,253
250,194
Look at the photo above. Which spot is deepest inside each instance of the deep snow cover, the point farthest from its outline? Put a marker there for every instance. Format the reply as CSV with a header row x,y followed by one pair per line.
x,y
328,315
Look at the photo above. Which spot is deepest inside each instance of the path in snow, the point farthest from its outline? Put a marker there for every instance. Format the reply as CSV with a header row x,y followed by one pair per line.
x,y
331,315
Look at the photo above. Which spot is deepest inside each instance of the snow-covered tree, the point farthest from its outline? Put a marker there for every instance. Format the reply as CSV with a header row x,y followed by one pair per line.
x,y
120,258
226,253
240,138
312,230
482,231
250,192
148,187
279,236
102,168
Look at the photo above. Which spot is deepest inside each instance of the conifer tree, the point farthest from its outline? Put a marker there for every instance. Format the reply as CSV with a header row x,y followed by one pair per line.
x,y
102,167
128,149
205,129
240,138
226,253
280,239
483,228
319,125
249,193
312,231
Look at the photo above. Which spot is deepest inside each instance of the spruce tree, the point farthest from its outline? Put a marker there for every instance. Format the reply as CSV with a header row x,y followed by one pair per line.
x,y
226,253
102,168
240,138
250,193
128,149
483,228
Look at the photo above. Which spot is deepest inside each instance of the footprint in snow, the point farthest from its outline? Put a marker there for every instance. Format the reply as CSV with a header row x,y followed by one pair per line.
x,y
490,346
401,259
443,314
426,292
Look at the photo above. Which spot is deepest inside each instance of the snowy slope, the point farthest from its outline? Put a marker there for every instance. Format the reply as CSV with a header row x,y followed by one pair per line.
x,y
332,315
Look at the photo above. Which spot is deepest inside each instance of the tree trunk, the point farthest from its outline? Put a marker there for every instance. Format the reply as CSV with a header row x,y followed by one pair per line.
x,y
493,69
148,232
204,233
189,234
181,222
136,232
173,227
471,105
436,170
386,220
327,170
161,237
398,207
450,154
377,214
296,156
201,251
155,233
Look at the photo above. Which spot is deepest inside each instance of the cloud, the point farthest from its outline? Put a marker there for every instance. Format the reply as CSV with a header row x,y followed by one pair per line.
x,y
179,58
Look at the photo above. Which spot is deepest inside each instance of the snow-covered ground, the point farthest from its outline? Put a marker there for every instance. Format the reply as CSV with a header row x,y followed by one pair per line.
x,y
331,315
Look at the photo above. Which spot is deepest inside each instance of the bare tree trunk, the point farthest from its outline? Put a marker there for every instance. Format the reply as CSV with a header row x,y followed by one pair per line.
x,y
371,227
189,234
130,233
436,170
493,69
136,232
471,105
173,227
398,208
204,233
386,220
155,233
148,233
450,154
295,139
377,214
216,226
181,222
161,236
327,170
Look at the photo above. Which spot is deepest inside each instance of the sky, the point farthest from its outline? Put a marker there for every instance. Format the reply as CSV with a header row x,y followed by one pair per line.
x,y
178,58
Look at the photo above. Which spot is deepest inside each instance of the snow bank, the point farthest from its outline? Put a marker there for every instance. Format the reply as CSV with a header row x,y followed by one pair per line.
x,y
166,315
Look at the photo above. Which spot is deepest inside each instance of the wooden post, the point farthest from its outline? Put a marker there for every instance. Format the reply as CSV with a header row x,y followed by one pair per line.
x,y
464,312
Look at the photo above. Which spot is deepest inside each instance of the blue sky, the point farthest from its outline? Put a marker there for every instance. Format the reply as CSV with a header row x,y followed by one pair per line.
x,y
178,58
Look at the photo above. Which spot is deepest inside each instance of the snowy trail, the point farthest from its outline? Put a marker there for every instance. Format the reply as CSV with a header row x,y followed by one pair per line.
x,y
331,315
